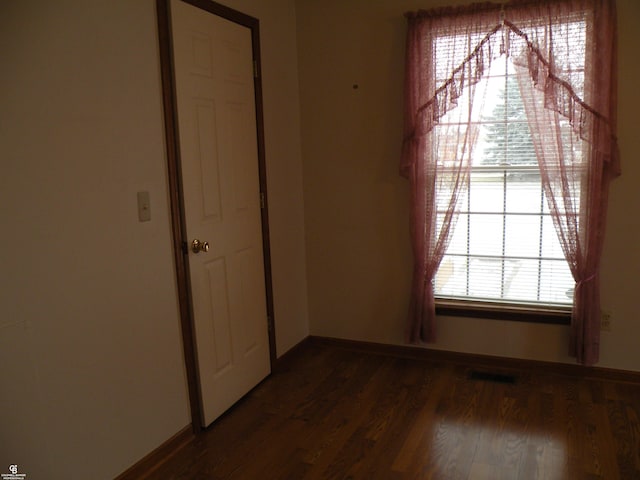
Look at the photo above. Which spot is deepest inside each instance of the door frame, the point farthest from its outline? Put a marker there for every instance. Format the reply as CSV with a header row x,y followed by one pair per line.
x,y
176,198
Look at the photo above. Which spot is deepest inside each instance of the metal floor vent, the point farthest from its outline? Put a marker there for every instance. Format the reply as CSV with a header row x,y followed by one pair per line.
x,y
492,377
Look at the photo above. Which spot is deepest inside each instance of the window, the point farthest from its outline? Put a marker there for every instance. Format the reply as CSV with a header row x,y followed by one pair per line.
x,y
509,147
504,247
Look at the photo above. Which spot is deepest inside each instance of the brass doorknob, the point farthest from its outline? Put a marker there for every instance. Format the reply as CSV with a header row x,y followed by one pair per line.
x,y
197,246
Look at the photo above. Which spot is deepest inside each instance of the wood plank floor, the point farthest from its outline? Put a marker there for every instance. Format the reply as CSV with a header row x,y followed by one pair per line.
x,y
332,413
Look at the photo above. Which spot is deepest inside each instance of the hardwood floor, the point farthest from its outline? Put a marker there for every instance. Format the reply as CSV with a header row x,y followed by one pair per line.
x,y
332,413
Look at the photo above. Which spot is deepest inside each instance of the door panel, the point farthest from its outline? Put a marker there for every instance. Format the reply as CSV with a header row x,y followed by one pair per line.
x,y
219,160
220,331
207,153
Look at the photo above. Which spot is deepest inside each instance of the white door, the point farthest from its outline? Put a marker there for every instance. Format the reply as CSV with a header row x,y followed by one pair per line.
x,y
219,156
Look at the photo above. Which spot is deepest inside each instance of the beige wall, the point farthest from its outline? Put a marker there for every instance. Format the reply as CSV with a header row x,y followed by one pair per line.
x,y
91,367
356,205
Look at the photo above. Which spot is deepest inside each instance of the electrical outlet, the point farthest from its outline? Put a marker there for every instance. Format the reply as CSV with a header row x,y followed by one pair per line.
x,y
605,321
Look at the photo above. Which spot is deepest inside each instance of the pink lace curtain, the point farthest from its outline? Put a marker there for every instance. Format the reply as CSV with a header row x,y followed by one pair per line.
x,y
571,111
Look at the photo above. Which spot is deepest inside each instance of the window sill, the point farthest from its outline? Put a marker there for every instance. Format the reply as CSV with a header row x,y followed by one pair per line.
x,y
501,311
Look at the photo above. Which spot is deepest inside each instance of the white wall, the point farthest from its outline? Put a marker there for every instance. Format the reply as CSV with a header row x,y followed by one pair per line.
x,y
90,338
356,205
91,367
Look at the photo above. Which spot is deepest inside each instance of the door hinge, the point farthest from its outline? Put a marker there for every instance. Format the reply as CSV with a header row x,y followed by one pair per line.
x,y
262,200
255,68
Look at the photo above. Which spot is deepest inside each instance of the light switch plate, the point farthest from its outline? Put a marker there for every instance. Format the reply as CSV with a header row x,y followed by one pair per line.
x,y
144,207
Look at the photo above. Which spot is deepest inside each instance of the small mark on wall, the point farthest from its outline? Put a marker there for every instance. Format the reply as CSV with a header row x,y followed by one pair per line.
x,y
144,207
